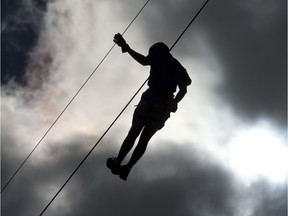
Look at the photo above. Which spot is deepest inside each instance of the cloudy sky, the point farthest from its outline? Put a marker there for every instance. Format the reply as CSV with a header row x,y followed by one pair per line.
x,y
224,153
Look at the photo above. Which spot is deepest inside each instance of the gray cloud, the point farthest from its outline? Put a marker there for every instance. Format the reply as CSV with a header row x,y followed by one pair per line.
x,y
254,59
178,186
168,181
270,200
248,39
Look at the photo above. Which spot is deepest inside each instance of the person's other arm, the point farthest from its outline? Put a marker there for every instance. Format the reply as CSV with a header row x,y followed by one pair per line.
x,y
181,93
179,96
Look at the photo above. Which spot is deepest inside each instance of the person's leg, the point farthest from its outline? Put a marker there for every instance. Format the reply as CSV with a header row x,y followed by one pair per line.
x,y
140,149
138,152
129,141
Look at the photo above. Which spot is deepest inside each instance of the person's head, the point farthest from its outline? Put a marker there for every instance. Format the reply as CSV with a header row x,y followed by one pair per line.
x,y
159,47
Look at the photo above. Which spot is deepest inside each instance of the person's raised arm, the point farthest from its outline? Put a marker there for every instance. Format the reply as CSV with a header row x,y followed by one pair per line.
x,y
138,57
119,40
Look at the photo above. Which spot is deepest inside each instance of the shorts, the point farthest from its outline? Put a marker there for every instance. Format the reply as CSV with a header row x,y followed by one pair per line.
x,y
151,112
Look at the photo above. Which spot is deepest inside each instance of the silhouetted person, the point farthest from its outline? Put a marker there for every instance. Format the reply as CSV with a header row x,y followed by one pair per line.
x,y
156,103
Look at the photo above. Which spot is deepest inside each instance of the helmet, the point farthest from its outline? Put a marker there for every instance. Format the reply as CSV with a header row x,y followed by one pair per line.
x,y
160,46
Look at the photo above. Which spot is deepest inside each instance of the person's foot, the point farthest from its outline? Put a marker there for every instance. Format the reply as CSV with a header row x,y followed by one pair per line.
x,y
124,172
114,165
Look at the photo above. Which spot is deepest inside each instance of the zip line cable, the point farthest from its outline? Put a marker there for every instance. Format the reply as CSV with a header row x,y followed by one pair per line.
x,y
99,140
65,108
189,24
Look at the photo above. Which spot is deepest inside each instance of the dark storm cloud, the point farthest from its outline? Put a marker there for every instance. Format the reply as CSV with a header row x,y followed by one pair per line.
x,y
247,38
269,200
166,182
21,23
187,187
252,50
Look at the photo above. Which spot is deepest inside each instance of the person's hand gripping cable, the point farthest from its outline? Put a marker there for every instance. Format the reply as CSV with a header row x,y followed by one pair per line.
x,y
120,41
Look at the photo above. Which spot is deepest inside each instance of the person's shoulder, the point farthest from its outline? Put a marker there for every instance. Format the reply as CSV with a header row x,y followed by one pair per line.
x,y
182,74
177,64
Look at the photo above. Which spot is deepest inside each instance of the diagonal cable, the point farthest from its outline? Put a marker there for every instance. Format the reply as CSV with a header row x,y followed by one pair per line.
x,y
99,140
65,108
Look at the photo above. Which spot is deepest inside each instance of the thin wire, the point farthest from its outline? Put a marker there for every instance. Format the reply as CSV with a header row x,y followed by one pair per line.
x,y
189,24
92,149
99,140
80,89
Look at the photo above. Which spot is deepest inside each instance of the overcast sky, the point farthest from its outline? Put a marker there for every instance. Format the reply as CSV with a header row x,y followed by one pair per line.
x,y
223,153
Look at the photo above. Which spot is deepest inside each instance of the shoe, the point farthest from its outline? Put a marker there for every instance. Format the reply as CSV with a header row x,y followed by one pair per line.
x,y
114,165
124,172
